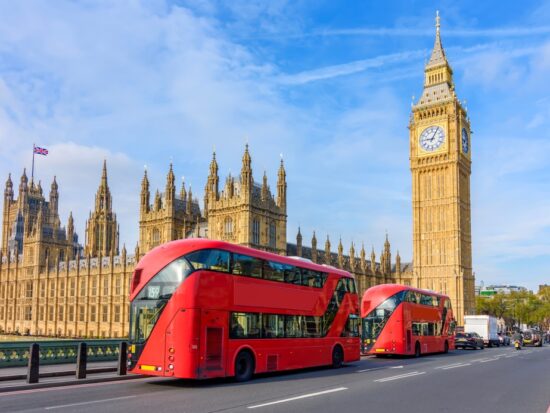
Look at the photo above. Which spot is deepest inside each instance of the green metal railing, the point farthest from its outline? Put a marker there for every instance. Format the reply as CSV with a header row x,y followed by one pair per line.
x,y
57,352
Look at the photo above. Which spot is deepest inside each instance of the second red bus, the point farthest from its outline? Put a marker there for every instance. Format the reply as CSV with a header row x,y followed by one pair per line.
x,y
401,320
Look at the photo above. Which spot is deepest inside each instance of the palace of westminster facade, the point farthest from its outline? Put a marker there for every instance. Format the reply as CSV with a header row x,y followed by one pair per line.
x,y
50,285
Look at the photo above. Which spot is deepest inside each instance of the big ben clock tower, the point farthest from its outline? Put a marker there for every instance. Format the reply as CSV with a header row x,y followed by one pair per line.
x,y
440,155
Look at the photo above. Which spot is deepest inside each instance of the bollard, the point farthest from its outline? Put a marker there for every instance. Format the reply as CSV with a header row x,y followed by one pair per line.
x,y
81,360
34,363
122,358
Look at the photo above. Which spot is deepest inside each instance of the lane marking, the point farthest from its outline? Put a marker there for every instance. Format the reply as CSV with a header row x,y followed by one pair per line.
x,y
62,406
396,367
488,360
303,396
455,366
401,376
449,365
372,369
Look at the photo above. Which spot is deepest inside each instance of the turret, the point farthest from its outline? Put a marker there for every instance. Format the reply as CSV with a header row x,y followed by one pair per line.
x,y
70,227
54,196
398,264
23,188
158,201
373,261
145,194
189,200
8,192
362,256
352,257
299,243
327,252
246,173
170,192
340,254
264,187
314,248
281,186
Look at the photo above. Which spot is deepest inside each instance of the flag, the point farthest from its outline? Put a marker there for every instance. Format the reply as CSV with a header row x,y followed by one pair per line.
x,y
40,151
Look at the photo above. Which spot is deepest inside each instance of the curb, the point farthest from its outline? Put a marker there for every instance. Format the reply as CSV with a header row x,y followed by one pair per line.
x,y
73,382
59,373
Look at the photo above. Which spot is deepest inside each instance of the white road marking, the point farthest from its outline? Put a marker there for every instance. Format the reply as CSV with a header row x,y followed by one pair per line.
x,y
401,376
396,367
455,366
303,396
85,403
372,369
448,365
488,360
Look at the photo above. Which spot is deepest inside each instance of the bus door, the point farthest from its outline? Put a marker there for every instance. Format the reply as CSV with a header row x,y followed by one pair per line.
x,y
409,340
214,329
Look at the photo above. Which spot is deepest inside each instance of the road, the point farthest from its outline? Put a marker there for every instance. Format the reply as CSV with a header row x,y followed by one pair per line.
x,y
491,380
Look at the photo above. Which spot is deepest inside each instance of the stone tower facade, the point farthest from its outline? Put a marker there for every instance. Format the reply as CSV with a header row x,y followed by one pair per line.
x,y
440,161
102,232
244,212
169,217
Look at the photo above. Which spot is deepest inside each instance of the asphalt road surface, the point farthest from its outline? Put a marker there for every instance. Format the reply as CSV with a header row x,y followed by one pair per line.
x,y
491,380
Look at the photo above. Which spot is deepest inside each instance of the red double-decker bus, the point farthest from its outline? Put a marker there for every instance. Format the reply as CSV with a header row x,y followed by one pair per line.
x,y
397,319
203,309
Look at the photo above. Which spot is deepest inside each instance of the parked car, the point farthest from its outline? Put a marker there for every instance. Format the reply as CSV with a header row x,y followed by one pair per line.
x,y
469,340
504,339
532,338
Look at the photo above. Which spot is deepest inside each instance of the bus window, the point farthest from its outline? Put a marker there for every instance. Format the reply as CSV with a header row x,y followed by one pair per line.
x,y
312,278
314,326
274,271
215,260
293,275
245,325
352,326
245,265
293,326
426,299
411,297
273,326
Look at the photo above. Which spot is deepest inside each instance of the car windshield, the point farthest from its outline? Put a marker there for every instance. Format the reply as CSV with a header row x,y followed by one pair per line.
x,y
460,335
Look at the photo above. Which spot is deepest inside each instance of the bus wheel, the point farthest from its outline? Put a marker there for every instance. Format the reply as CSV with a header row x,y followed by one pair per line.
x,y
337,357
244,366
446,347
417,352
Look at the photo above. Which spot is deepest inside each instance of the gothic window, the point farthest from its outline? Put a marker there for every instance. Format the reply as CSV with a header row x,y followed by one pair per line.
x,y
28,313
60,312
106,286
228,227
272,235
73,288
117,314
71,313
92,314
156,237
118,286
82,288
105,313
28,292
256,231
62,288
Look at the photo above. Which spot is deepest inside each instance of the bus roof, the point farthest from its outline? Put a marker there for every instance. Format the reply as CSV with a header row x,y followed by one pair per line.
x,y
391,289
156,259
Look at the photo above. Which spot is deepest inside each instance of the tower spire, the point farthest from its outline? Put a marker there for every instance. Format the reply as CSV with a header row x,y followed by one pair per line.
x,y
438,53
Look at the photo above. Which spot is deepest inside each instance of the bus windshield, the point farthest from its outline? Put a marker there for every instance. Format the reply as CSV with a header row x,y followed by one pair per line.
x,y
147,307
375,321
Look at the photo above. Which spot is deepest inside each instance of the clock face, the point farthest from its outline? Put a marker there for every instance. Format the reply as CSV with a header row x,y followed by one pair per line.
x,y
431,138
465,141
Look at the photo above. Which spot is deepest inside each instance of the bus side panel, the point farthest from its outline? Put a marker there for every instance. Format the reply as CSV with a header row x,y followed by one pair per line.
x,y
183,337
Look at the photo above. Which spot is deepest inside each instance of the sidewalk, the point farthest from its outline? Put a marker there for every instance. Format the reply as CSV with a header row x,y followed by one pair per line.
x,y
14,378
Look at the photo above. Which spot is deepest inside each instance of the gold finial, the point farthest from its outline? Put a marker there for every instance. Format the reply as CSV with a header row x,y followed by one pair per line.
x,y
437,21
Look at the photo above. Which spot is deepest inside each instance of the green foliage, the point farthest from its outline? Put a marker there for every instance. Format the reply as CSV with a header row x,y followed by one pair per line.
x,y
521,307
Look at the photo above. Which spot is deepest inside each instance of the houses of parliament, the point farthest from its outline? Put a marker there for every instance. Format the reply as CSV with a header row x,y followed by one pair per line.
x,y
51,285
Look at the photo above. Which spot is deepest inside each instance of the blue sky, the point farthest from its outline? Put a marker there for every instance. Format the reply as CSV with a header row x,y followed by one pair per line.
x,y
327,84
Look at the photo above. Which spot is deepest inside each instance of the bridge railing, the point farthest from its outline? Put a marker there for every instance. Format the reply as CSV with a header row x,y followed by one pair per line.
x,y
57,352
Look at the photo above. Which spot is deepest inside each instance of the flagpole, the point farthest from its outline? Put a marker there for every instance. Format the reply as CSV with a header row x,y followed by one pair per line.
x,y
32,169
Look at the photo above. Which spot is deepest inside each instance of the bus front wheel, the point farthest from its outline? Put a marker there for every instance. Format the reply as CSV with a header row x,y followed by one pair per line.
x,y
337,357
417,352
244,366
